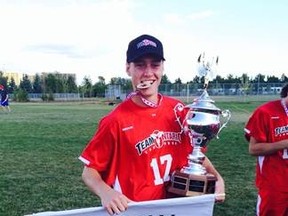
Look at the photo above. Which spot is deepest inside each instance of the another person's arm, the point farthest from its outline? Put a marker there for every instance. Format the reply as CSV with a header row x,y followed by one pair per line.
x,y
112,200
220,185
6,99
260,148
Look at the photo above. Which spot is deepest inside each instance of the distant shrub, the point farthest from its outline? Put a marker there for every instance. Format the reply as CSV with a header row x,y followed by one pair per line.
x,y
50,97
20,95
44,97
47,97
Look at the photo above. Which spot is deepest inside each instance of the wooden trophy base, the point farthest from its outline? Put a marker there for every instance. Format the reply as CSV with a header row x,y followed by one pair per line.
x,y
192,185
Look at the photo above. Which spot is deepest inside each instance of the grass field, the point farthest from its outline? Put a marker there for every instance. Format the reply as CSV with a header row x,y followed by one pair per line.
x,y
40,144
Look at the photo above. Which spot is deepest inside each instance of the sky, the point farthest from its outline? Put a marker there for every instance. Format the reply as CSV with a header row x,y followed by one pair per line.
x,y
90,37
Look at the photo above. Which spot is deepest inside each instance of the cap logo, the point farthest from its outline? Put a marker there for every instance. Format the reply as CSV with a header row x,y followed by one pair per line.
x,y
146,42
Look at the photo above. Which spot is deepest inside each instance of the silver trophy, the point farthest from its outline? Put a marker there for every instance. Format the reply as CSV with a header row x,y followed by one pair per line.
x,y
203,122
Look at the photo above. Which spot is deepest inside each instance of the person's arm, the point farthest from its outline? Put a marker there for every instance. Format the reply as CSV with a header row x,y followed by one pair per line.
x,y
260,148
113,201
6,99
220,185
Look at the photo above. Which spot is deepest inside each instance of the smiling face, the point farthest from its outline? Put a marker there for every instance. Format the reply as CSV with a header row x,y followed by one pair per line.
x,y
146,73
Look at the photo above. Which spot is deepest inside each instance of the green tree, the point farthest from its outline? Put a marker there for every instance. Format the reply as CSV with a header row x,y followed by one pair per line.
x,y
99,87
165,79
195,84
178,81
165,85
86,87
20,95
125,84
195,80
37,88
232,82
273,79
71,84
25,84
245,83
12,86
177,86
50,83
259,80
60,83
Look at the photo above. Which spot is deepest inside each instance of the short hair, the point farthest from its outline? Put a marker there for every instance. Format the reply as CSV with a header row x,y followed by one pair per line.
x,y
284,91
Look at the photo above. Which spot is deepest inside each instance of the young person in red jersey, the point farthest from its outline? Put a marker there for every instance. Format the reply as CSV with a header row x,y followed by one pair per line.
x,y
140,143
267,133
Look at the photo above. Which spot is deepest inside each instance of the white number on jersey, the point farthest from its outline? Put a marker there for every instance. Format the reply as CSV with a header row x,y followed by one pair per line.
x,y
165,160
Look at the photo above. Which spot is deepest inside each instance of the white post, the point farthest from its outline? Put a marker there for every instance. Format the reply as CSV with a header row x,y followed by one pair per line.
x,y
187,90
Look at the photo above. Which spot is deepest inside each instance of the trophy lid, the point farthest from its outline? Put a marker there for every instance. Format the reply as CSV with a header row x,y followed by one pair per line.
x,y
204,102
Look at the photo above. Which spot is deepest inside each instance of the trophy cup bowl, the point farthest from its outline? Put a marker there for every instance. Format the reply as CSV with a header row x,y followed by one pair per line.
x,y
203,122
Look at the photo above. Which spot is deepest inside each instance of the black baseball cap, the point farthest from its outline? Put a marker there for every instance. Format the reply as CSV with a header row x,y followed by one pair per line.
x,y
144,45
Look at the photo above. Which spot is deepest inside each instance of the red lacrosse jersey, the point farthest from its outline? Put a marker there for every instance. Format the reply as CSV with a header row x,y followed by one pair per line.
x,y
136,149
269,123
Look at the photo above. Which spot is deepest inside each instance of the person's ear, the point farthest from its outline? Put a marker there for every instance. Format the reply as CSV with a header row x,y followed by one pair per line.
x,y
128,69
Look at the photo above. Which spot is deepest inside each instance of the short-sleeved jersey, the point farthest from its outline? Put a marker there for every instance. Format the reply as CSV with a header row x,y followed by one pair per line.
x,y
135,148
269,123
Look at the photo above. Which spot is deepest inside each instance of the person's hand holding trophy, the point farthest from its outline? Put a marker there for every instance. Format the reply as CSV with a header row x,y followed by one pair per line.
x,y
203,122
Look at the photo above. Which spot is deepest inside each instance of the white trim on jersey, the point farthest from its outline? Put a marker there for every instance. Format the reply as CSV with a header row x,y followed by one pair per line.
x,y
247,131
260,162
84,160
117,185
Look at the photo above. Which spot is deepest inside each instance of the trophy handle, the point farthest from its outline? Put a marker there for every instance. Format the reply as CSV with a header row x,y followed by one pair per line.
x,y
226,114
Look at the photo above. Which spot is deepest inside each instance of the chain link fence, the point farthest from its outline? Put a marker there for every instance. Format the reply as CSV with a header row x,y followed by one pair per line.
x,y
186,92
223,92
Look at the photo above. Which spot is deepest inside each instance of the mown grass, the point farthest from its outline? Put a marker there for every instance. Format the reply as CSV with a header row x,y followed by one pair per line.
x,y
40,144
